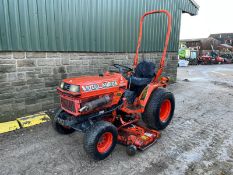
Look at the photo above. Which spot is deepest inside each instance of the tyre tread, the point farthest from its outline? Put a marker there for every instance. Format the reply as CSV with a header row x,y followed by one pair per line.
x,y
91,135
149,116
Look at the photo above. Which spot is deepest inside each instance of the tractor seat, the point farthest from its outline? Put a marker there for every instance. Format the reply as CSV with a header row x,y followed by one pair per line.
x,y
144,73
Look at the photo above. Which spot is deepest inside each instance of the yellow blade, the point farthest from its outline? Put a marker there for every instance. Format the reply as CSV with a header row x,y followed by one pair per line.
x,y
32,120
9,126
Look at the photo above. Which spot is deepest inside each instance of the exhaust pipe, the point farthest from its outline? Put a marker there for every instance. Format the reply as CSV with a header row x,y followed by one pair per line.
x,y
95,103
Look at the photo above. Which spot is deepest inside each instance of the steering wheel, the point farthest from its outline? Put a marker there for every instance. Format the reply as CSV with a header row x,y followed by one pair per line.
x,y
122,69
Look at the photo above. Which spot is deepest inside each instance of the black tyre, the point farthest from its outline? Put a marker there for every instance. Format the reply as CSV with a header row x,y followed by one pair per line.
x,y
159,109
100,140
58,127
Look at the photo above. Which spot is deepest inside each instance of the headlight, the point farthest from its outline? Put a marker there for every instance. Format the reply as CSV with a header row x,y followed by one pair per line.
x,y
62,85
74,88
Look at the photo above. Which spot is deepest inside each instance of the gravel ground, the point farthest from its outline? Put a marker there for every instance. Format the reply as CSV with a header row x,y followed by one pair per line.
x,y
198,141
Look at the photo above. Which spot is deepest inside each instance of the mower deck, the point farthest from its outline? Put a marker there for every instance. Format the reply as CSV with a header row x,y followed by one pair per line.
x,y
138,136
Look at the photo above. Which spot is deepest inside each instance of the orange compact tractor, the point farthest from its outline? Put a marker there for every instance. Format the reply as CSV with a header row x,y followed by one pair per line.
x,y
108,107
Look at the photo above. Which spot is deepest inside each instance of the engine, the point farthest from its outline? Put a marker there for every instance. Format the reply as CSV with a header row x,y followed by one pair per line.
x,y
86,94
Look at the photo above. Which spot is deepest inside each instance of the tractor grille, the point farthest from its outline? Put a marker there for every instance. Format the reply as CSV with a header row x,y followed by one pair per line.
x,y
68,104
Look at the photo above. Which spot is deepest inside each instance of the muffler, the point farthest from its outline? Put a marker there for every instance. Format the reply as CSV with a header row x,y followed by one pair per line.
x,y
95,103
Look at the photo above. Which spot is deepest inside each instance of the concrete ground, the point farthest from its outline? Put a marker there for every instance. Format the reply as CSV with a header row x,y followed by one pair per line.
x,y
198,141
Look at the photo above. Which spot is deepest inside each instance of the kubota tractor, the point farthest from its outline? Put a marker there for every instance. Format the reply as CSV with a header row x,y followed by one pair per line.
x,y
108,107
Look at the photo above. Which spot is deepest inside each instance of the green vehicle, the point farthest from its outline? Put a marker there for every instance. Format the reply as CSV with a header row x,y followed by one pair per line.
x,y
182,53
189,55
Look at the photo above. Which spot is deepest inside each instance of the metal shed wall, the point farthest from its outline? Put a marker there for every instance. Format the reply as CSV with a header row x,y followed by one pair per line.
x,y
87,25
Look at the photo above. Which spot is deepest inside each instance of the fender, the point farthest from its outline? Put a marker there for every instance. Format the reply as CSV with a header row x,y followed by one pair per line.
x,y
149,89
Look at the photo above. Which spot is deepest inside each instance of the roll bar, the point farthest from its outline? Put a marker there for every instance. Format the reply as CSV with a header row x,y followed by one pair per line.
x,y
162,61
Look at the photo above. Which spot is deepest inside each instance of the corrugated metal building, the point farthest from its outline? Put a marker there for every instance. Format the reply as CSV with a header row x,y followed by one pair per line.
x,y
87,25
44,41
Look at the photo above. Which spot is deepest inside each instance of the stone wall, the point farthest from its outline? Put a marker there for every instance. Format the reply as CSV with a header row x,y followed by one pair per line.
x,y
28,79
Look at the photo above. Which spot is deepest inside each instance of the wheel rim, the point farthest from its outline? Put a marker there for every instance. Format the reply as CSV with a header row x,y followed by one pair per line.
x,y
165,110
105,142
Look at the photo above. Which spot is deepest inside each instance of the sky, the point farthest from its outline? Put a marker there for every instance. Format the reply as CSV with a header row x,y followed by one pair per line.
x,y
214,16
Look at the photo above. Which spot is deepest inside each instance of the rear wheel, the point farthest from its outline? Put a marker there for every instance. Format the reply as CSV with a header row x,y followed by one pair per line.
x,y
60,128
159,109
100,140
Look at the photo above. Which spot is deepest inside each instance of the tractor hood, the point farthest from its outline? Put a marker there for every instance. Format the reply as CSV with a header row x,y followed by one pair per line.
x,y
94,83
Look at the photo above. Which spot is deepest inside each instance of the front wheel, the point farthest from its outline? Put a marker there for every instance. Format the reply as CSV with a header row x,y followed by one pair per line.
x,y
60,128
100,140
159,110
